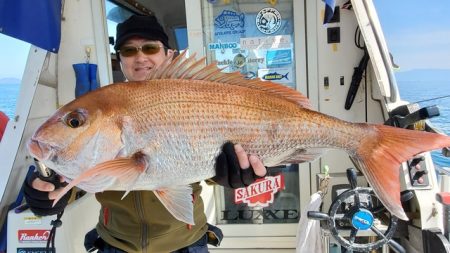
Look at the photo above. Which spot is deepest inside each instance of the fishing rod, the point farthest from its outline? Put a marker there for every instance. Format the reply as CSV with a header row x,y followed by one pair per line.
x,y
431,99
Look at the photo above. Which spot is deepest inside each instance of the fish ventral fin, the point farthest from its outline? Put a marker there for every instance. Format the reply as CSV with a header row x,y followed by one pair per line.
x,y
178,201
191,69
126,170
381,153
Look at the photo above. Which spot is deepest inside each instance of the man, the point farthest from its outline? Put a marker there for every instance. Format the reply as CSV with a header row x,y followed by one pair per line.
x,y
139,222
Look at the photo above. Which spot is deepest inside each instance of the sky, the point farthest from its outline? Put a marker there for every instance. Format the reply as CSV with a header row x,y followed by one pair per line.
x,y
13,55
417,33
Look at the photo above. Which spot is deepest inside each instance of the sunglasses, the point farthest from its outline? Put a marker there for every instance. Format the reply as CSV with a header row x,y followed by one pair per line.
x,y
147,49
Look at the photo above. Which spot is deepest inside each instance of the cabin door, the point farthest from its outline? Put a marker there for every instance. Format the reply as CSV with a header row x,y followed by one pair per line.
x,y
259,39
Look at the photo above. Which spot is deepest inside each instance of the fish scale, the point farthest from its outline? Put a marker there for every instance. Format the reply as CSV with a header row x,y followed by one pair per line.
x,y
201,119
174,111
165,133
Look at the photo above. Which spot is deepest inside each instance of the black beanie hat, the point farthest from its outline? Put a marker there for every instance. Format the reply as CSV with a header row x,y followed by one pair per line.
x,y
143,26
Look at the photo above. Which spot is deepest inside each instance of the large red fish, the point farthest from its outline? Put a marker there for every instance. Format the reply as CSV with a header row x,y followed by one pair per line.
x,y
165,133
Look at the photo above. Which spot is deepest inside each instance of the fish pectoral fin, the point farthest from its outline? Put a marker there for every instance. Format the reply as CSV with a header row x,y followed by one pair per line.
x,y
178,201
294,156
126,170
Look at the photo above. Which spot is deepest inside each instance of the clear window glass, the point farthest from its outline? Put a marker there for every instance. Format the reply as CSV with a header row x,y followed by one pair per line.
x,y
273,199
114,15
256,39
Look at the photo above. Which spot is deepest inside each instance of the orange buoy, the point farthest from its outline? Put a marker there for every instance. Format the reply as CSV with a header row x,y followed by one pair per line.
x,y
3,122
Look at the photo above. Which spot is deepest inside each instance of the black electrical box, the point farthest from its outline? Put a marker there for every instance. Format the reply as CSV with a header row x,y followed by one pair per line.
x,y
333,34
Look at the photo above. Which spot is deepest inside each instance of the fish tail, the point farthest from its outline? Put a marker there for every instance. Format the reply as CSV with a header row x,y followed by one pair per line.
x,y
380,155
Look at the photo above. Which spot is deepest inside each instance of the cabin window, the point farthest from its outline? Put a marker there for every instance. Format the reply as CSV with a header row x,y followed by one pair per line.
x,y
181,38
115,14
256,39
273,199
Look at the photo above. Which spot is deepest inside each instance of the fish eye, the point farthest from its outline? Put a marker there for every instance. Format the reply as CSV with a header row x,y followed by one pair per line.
x,y
74,123
74,119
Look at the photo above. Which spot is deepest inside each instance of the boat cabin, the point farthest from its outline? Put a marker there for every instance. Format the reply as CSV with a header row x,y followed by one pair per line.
x,y
343,67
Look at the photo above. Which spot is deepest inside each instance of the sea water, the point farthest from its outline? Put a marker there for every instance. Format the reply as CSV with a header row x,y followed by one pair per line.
x,y
411,91
414,91
8,97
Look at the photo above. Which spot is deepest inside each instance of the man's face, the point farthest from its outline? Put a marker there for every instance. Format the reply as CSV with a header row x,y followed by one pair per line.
x,y
136,67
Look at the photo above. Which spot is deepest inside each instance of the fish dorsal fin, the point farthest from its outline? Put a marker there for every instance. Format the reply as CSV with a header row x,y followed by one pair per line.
x,y
189,68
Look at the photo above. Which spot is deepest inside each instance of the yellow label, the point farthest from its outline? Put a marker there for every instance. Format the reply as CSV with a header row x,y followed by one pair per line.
x,y
272,2
334,47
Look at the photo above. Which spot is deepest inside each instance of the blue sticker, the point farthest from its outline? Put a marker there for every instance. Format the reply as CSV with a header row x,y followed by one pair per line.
x,y
223,45
362,220
279,75
275,76
276,58
230,19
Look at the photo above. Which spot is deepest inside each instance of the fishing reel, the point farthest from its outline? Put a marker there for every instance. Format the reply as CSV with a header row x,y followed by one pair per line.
x,y
359,212
412,116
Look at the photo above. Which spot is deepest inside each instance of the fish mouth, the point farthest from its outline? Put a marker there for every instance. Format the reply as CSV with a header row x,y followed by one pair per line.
x,y
39,150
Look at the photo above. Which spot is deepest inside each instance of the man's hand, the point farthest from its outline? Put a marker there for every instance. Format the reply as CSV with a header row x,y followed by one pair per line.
x,y
40,194
235,169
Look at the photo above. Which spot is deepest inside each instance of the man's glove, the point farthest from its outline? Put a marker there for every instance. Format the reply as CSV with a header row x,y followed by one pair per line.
x,y
229,173
39,202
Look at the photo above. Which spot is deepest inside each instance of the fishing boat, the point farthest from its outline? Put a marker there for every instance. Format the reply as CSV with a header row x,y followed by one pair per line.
x,y
336,55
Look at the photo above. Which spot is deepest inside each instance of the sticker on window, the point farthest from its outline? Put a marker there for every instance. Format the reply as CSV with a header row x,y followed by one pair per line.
x,y
261,193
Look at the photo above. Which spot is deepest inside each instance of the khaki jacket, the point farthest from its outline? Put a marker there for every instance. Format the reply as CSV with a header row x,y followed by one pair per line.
x,y
141,224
